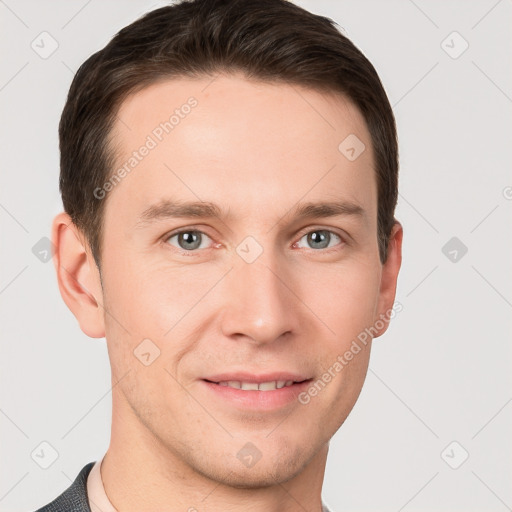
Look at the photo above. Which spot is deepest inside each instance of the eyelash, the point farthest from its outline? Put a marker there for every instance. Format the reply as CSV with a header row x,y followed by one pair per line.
x,y
195,252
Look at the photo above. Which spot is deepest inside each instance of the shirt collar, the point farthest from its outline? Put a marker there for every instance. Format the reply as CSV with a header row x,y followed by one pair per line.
x,y
98,499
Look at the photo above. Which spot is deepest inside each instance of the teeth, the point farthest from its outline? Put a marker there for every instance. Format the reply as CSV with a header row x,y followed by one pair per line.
x,y
266,386
250,386
254,386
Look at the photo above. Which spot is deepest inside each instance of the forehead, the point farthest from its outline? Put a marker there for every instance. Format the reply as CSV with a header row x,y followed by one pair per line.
x,y
248,144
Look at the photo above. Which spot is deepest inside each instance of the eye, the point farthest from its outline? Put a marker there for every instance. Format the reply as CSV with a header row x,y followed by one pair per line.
x,y
188,240
321,238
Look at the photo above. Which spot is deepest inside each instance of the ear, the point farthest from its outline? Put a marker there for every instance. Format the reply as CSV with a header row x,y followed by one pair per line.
x,y
389,278
78,276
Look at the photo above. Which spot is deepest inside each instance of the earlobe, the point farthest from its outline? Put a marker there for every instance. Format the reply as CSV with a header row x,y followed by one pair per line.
x,y
390,270
78,276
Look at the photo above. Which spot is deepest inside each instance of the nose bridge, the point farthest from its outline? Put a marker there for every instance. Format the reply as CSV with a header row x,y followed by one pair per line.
x,y
259,303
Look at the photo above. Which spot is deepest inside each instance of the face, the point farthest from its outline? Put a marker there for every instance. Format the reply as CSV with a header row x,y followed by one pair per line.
x,y
246,286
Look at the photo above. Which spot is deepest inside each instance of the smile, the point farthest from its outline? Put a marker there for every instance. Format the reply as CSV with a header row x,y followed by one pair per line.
x,y
255,386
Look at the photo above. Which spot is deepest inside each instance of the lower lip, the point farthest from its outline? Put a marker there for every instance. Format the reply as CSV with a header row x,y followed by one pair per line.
x,y
255,399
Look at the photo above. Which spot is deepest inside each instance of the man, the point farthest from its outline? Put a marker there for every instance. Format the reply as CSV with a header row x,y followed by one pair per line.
x,y
229,176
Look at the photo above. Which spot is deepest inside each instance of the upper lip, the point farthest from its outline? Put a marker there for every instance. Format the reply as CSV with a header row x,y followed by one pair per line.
x,y
262,377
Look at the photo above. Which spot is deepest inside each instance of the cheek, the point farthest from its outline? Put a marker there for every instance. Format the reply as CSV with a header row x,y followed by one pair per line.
x,y
157,302
345,298
145,299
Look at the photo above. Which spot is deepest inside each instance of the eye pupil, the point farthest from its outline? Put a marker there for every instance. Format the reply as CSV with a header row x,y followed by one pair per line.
x,y
322,239
189,240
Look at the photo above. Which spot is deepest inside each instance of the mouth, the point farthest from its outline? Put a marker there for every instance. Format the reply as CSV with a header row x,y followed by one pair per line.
x,y
270,385
261,393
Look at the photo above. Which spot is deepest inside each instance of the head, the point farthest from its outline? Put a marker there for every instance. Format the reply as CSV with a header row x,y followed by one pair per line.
x,y
286,142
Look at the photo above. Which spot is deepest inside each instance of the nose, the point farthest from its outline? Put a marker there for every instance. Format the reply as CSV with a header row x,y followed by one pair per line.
x,y
259,303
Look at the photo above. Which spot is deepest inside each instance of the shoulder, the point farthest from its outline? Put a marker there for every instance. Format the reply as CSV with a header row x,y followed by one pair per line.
x,y
74,498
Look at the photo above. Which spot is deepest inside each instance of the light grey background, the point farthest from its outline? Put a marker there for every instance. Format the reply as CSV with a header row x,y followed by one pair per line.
x,y
442,371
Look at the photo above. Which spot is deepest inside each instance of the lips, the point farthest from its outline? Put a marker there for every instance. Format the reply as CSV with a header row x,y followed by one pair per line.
x,y
257,392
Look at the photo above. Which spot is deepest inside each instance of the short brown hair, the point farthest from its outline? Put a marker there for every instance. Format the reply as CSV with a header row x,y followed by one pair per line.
x,y
267,40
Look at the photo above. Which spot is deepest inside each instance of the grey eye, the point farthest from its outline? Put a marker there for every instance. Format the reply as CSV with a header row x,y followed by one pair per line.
x,y
320,238
188,240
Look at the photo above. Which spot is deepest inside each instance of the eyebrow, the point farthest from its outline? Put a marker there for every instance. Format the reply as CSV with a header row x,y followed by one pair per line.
x,y
169,209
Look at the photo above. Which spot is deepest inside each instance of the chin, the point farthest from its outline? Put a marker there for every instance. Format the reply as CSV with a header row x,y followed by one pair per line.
x,y
276,467
255,478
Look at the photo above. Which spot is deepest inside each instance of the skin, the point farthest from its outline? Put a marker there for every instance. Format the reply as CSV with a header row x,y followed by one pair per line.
x,y
257,150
